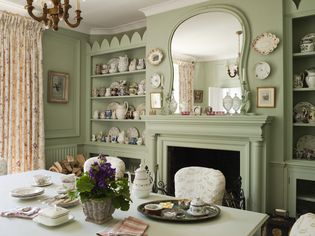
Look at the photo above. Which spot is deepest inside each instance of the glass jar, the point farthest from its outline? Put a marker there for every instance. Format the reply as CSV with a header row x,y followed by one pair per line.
x,y
237,102
227,103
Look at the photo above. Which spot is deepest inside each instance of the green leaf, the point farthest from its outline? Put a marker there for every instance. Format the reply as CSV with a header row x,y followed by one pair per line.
x,y
84,184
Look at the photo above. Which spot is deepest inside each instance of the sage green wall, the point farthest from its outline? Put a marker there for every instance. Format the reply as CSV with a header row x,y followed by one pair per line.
x,y
263,16
64,51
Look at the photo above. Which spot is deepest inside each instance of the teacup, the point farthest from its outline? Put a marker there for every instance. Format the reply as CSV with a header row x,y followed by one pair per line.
x,y
198,207
41,179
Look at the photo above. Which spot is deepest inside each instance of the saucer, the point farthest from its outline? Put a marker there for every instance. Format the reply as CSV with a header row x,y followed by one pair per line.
x,y
51,224
207,212
43,184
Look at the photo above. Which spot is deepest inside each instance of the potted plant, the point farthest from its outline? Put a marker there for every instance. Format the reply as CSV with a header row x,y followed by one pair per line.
x,y
101,193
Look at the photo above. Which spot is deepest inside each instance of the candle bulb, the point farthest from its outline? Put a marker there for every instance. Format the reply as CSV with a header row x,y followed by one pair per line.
x,y
78,4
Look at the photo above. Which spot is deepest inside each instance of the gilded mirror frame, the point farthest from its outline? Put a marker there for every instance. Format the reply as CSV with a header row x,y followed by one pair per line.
x,y
243,64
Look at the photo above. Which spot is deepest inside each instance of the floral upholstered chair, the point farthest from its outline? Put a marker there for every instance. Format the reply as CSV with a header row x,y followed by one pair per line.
x,y
304,226
116,163
205,183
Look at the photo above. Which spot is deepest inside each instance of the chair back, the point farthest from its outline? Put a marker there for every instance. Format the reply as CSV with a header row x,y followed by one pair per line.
x,y
206,183
116,163
304,226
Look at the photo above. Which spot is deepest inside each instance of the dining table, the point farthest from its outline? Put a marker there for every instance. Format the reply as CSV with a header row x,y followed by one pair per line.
x,y
230,221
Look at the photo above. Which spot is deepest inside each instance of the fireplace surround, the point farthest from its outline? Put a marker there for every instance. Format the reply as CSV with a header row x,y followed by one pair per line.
x,y
245,135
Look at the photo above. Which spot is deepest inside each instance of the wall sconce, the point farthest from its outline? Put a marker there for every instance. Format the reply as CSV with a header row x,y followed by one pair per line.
x,y
232,69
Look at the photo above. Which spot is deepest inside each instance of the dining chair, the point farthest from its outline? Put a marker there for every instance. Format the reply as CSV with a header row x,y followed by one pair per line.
x,y
304,226
116,163
205,183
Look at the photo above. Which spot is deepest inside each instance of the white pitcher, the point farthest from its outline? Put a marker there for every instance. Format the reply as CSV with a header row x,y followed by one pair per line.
x,y
123,63
310,78
121,110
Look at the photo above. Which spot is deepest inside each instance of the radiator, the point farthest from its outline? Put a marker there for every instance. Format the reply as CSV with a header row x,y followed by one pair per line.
x,y
59,152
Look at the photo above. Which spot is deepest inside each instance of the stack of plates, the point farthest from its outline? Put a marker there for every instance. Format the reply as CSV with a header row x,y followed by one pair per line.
x,y
27,192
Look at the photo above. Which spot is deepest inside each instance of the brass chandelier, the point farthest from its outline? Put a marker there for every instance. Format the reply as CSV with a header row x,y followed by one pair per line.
x,y
59,11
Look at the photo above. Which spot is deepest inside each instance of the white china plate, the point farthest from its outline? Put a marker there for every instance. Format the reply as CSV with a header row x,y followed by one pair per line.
x,y
306,142
24,192
207,212
113,60
265,43
114,131
51,224
112,106
132,133
115,85
301,108
42,185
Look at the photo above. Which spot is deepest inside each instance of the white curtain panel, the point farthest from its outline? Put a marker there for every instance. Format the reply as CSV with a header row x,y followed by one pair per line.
x,y
186,84
21,93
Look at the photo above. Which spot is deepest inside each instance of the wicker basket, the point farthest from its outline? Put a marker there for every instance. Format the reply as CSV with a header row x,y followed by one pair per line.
x,y
98,210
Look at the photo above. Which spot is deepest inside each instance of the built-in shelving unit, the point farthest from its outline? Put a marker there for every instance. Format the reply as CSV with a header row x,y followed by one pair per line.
x,y
133,46
301,164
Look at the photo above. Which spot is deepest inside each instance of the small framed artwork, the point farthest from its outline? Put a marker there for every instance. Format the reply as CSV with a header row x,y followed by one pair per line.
x,y
156,100
58,87
266,97
198,96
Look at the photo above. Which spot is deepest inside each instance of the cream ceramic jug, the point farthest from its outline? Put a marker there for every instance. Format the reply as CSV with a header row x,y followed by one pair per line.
x,y
123,63
310,78
121,110
142,183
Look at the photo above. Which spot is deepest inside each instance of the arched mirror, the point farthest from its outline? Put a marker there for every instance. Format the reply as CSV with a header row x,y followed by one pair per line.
x,y
208,53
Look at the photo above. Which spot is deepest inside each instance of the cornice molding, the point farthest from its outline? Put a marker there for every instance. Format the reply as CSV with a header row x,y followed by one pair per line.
x,y
119,29
168,6
12,7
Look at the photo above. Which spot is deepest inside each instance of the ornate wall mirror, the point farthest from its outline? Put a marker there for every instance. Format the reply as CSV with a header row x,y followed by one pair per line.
x,y
208,55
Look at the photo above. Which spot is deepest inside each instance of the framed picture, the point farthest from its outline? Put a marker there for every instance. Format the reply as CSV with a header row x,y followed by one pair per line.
x,y
58,87
156,100
266,97
198,96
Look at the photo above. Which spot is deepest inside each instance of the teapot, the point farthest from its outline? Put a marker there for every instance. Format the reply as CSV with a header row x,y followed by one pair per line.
x,y
121,110
310,77
198,207
142,183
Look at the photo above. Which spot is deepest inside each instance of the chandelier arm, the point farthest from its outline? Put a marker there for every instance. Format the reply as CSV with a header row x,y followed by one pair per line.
x,y
78,18
30,9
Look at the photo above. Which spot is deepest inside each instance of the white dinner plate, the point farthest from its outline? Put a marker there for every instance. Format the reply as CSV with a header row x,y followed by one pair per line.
x,y
51,224
26,192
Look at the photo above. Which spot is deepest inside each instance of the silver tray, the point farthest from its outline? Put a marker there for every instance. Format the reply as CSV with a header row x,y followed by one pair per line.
x,y
181,212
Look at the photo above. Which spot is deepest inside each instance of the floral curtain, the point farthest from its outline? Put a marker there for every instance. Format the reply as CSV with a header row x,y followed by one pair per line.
x,y
21,93
186,84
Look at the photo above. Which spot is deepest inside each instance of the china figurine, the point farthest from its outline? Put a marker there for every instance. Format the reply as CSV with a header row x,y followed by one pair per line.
x,y
133,64
113,68
96,114
141,64
107,93
141,89
123,63
121,110
121,137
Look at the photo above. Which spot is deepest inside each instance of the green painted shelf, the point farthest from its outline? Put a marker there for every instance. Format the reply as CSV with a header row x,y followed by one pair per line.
x,y
117,97
118,74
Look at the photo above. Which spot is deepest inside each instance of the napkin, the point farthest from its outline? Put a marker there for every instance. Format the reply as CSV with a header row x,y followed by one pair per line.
x,y
130,226
21,212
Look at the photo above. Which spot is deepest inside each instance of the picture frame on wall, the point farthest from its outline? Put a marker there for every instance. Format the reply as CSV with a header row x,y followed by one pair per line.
x,y
266,97
156,100
198,96
58,83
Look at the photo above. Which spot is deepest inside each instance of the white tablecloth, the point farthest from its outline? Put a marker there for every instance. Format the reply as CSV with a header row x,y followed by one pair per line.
x,y
231,222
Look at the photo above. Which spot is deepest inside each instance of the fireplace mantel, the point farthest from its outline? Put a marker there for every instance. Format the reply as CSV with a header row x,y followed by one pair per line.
x,y
244,133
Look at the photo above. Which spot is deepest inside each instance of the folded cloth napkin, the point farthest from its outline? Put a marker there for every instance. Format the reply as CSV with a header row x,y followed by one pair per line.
x,y
130,226
21,212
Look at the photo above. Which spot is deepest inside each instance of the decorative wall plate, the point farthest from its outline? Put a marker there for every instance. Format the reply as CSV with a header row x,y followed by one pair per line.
x,y
112,106
114,131
262,70
265,43
132,133
155,56
155,80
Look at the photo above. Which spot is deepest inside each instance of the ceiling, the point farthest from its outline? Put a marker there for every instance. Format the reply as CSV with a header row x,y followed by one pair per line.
x,y
111,16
